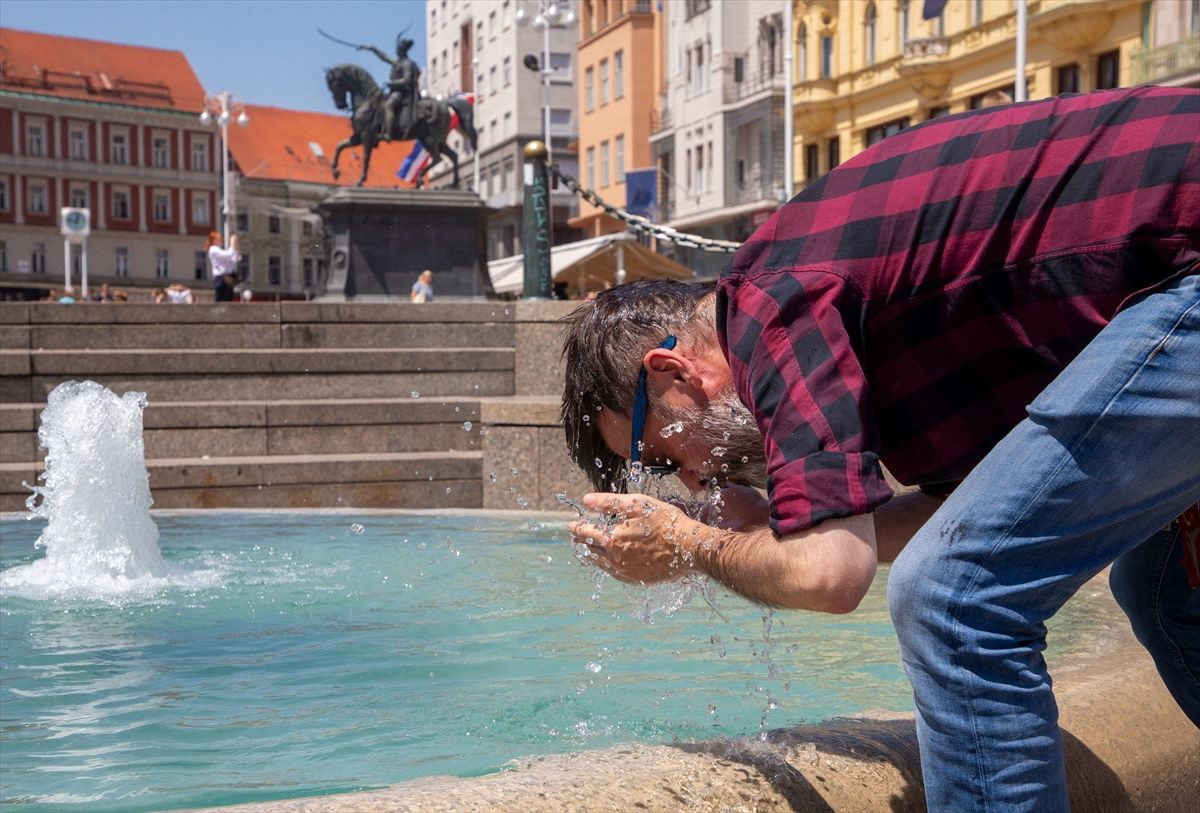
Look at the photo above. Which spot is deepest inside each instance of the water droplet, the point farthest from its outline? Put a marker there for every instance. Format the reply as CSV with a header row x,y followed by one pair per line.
x,y
719,451
422,545
671,429
547,559
712,709
493,476
521,501
447,489
357,528
414,394
594,667
599,463
466,426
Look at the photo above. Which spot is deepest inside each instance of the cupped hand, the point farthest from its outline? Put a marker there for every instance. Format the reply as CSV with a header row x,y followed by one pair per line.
x,y
645,540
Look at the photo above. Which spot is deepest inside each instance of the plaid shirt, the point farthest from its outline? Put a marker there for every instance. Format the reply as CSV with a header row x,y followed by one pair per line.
x,y
907,306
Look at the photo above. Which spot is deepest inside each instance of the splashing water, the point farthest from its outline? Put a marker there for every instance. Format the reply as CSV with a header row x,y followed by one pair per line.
x,y
99,538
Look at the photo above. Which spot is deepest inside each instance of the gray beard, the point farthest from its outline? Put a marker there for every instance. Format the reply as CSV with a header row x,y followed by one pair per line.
x,y
725,425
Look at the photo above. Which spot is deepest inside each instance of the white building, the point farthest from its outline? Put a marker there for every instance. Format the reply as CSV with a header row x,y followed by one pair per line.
x,y
481,47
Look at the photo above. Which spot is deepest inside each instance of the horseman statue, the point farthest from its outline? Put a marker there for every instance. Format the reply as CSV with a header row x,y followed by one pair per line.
x,y
403,89
397,112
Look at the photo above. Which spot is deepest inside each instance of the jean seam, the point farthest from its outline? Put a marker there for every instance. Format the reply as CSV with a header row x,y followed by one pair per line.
x,y
1160,571
1008,533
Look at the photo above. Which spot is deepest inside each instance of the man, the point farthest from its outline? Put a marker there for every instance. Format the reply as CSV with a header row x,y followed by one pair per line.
x,y
1002,307
403,89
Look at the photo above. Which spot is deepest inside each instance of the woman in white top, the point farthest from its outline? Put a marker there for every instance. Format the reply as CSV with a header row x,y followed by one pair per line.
x,y
422,289
224,265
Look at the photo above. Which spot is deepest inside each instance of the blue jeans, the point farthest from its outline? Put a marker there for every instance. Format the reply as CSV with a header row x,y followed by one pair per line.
x,y
1107,457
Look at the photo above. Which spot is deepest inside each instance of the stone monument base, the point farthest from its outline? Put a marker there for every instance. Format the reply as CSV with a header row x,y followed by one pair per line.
x,y
380,240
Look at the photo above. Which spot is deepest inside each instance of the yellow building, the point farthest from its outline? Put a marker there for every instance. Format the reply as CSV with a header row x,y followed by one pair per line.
x,y
864,69
618,74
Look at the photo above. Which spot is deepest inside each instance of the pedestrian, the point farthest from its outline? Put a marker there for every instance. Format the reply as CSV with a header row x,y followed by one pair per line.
x,y
103,294
422,289
179,294
1003,308
224,262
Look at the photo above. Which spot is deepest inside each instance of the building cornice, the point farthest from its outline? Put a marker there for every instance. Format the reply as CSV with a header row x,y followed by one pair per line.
x,y
69,102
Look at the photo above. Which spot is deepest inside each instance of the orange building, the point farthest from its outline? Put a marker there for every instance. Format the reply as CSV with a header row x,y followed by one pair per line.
x,y
620,71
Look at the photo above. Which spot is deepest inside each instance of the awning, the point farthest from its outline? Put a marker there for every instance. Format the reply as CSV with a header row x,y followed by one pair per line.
x,y
590,265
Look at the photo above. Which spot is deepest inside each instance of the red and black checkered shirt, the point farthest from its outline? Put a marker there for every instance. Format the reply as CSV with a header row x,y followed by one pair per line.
x,y
908,306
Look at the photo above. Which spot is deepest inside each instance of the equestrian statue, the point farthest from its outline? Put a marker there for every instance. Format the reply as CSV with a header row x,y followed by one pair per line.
x,y
397,112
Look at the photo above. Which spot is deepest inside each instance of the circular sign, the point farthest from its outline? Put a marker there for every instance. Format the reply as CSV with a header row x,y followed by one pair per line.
x,y
76,221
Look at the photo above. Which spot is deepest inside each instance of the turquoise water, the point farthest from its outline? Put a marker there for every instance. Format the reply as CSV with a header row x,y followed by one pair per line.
x,y
337,652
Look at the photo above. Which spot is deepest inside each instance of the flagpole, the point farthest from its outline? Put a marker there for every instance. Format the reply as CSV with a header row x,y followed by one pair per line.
x,y
1019,91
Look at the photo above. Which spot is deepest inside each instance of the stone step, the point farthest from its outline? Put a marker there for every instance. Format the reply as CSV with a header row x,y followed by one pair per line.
x,y
395,480
225,428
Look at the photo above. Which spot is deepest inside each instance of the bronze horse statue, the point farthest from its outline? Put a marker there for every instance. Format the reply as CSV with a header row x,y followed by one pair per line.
x,y
431,119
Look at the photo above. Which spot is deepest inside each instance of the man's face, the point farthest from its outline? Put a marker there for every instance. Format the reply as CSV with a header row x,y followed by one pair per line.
x,y
716,439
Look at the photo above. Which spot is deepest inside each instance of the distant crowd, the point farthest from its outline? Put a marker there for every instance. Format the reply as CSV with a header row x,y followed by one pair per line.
x,y
174,294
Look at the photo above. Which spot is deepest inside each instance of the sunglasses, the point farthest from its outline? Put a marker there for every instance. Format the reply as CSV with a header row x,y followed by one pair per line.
x,y
641,405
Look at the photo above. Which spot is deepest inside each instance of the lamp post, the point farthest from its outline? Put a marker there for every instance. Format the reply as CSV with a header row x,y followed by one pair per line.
x,y
222,108
550,14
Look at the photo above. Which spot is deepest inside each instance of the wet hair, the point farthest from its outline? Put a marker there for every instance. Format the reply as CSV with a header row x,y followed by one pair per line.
x,y
606,339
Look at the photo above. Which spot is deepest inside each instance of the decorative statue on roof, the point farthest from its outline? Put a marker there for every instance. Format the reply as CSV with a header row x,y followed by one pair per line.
x,y
397,112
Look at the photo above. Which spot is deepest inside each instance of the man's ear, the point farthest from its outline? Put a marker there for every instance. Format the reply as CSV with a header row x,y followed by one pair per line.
x,y
671,370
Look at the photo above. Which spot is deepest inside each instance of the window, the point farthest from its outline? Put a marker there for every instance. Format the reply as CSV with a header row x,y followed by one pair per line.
x,y
77,145
199,265
160,152
591,167
306,228
120,204
938,112
37,258
802,50
826,57
274,271
560,116
273,224
560,64
739,70
38,203
121,262
162,207
904,23
199,155
869,23
812,162
494,182
976,12
1066,79
4,204
118,148
244,268
506,177
308,272
79,196
1108,70
35,138
619,150
603,82
492,79
835,152
507,71
243,222
200,213
162,264
698,75
619,75
699,169
507,124
877,134
604,163
589,79
694,7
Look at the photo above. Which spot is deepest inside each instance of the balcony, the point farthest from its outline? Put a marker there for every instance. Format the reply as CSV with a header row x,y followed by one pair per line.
x,y
923,64
660,120
1166,62
733,91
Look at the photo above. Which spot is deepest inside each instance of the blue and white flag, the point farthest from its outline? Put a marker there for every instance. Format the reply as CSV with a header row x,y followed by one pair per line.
x,y
416,161
641,192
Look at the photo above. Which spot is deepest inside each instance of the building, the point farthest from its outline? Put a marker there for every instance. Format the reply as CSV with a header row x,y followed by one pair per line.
x,y
483,47
113,129
865,69
718,134
283,168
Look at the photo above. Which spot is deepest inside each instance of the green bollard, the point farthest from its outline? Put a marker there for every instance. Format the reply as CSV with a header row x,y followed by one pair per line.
x,y
537,233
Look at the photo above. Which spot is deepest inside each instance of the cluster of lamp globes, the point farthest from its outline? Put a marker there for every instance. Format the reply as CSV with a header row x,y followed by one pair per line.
x,y
224,117
550,14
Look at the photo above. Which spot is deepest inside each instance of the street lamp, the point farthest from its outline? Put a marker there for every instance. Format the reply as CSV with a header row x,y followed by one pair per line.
x,y
550,14
222,108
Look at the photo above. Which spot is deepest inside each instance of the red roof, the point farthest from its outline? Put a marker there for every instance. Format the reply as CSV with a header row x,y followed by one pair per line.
x,y
74,68
279,144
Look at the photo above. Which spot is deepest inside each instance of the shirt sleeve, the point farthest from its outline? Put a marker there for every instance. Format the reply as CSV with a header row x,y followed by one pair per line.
x,y
795,367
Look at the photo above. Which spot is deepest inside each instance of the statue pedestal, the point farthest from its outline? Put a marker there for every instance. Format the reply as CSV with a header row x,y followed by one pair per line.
x,y
380,240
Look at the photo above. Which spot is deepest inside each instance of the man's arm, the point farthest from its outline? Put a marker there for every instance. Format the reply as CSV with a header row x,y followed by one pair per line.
x,y
389,60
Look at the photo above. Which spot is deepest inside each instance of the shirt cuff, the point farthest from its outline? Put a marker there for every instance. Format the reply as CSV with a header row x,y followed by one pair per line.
x,y
823,486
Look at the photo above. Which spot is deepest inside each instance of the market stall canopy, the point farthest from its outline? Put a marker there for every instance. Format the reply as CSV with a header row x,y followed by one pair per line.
x,y
590,265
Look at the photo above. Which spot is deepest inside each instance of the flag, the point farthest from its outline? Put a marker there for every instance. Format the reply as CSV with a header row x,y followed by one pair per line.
x,y
417,160
641,192
933,9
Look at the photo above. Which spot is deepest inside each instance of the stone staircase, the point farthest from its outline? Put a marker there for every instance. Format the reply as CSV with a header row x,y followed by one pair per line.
x,y
306,405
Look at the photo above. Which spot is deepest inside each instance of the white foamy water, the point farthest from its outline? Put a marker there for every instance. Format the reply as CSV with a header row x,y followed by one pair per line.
x,y
99,538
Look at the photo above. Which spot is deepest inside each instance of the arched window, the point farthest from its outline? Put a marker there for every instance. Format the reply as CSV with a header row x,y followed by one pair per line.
x,y
903,24
802,51
869,24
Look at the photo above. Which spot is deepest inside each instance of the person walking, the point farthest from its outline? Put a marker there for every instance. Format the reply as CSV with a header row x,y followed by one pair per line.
x,y
1003,308
422,289
224,262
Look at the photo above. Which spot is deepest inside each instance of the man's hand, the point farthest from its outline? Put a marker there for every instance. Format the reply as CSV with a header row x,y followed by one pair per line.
x,y
648,540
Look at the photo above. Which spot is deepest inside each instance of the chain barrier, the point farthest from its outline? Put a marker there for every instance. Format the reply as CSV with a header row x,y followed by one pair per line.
x,y
641,224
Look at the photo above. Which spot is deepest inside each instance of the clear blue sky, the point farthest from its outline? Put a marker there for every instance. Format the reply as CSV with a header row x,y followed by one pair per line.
x,y
265,51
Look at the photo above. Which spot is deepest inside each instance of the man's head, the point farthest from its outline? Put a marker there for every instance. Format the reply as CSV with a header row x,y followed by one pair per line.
x,y
402,45
695,420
